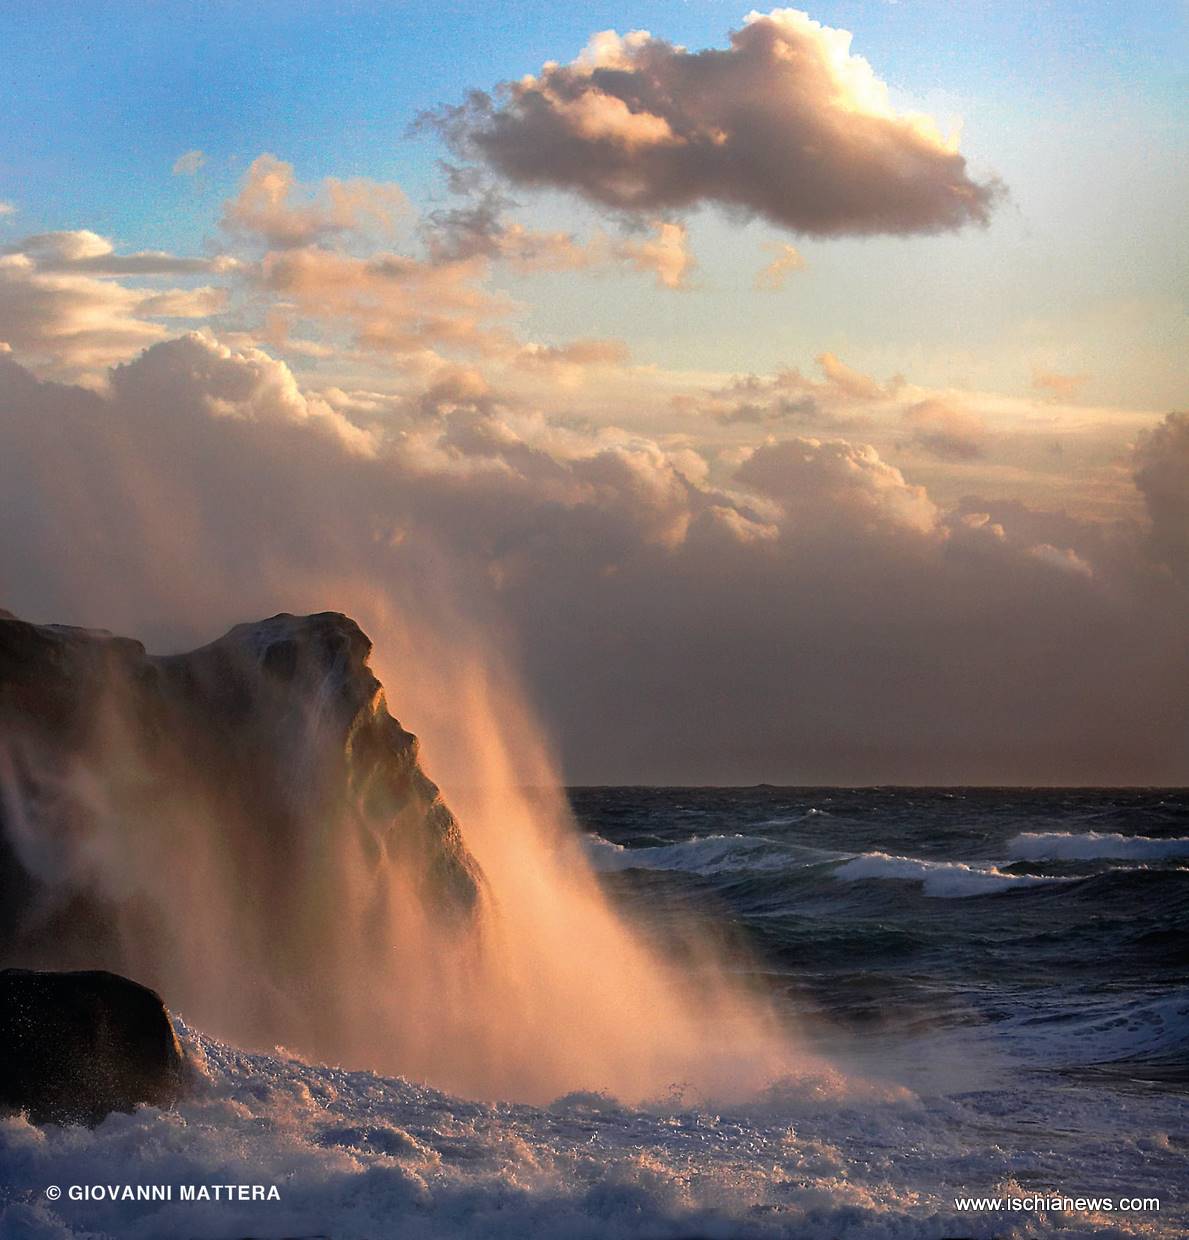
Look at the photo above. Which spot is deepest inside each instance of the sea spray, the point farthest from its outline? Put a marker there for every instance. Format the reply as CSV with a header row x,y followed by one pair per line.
x,y
298,908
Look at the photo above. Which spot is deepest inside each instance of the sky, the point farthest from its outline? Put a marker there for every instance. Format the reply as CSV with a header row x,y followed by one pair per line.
x,y
787,396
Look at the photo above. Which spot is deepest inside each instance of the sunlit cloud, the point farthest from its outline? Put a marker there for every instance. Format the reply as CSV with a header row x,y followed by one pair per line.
x,y
785,260
944,430
1058,386
273,207
846,379
787,124
809,556
62,308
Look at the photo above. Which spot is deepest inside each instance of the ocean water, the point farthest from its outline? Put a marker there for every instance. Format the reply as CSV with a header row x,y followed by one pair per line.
x,y
1000,976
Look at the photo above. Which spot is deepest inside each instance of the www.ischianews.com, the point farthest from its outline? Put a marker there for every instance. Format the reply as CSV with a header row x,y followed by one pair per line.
x,y
1039,1202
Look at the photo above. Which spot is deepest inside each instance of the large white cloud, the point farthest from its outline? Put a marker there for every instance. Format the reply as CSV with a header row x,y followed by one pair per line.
x,y
805,613
786,124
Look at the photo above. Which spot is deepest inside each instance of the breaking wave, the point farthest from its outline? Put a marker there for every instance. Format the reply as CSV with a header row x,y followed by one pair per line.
x,y
1094,846
943,879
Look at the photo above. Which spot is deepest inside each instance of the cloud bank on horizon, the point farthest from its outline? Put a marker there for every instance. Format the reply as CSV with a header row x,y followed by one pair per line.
x,y
805,613
705,577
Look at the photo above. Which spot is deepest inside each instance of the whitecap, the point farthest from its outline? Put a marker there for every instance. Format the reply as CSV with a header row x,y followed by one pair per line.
x,y
1094,846
942,879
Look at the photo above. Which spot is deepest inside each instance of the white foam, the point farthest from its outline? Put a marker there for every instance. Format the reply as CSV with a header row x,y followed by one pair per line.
x,y
358,1156
943,879
1094,846
1104,1031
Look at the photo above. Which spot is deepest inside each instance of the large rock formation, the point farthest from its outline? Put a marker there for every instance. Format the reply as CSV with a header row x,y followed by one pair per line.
x,y
244,827
76,1046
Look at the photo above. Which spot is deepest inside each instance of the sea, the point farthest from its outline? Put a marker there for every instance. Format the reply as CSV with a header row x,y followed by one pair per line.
x,y
1008,969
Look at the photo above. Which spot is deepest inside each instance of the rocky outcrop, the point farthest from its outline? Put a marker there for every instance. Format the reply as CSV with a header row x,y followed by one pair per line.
x,y
242,806
76,1046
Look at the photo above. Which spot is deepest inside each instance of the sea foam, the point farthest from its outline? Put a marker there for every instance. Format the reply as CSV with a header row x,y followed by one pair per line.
x,y
358,1156
1094,846
943,879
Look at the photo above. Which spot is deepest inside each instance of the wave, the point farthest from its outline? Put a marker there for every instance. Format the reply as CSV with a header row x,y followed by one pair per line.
x,y
1105,1032
1094,846
941,879
705,855
356,1155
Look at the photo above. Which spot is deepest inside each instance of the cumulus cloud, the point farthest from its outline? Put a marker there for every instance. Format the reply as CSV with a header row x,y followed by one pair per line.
x,y
81,250
561,361
7,208
837,481
785,260
481,227
321,268
944,430
392,303
1057,386
783,399
187,165
1162,475
847,380
787,124
798,612
665,254
273,207
62,308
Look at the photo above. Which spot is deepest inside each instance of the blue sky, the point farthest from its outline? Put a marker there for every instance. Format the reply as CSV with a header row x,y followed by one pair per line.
x,y
1074,105
907,506
97,92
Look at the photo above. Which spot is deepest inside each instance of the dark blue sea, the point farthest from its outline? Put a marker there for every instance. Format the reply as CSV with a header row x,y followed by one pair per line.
x,y
995,979
1054,922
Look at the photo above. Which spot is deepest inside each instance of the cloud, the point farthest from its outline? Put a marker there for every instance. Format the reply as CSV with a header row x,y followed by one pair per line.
x,y
800,612
390,302
481,228
188,164
787,124
80,250
7,208
272,207
851,382
838,481
785,260
191,303
322,268
665,255
944,430
1057,386
575,354
60,309
1162,475
783,398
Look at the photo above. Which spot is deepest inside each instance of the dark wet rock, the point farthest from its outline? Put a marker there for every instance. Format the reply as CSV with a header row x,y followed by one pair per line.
x,y
76,1046
263,769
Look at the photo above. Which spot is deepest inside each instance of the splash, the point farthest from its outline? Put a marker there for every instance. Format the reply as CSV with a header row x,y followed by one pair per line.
x,y
268,910
570,996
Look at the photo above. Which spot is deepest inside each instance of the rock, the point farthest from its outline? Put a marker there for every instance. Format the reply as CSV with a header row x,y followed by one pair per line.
x,y
240,826
76,1046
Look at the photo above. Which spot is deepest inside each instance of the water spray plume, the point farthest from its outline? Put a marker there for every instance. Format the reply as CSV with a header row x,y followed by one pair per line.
x,y
356,928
